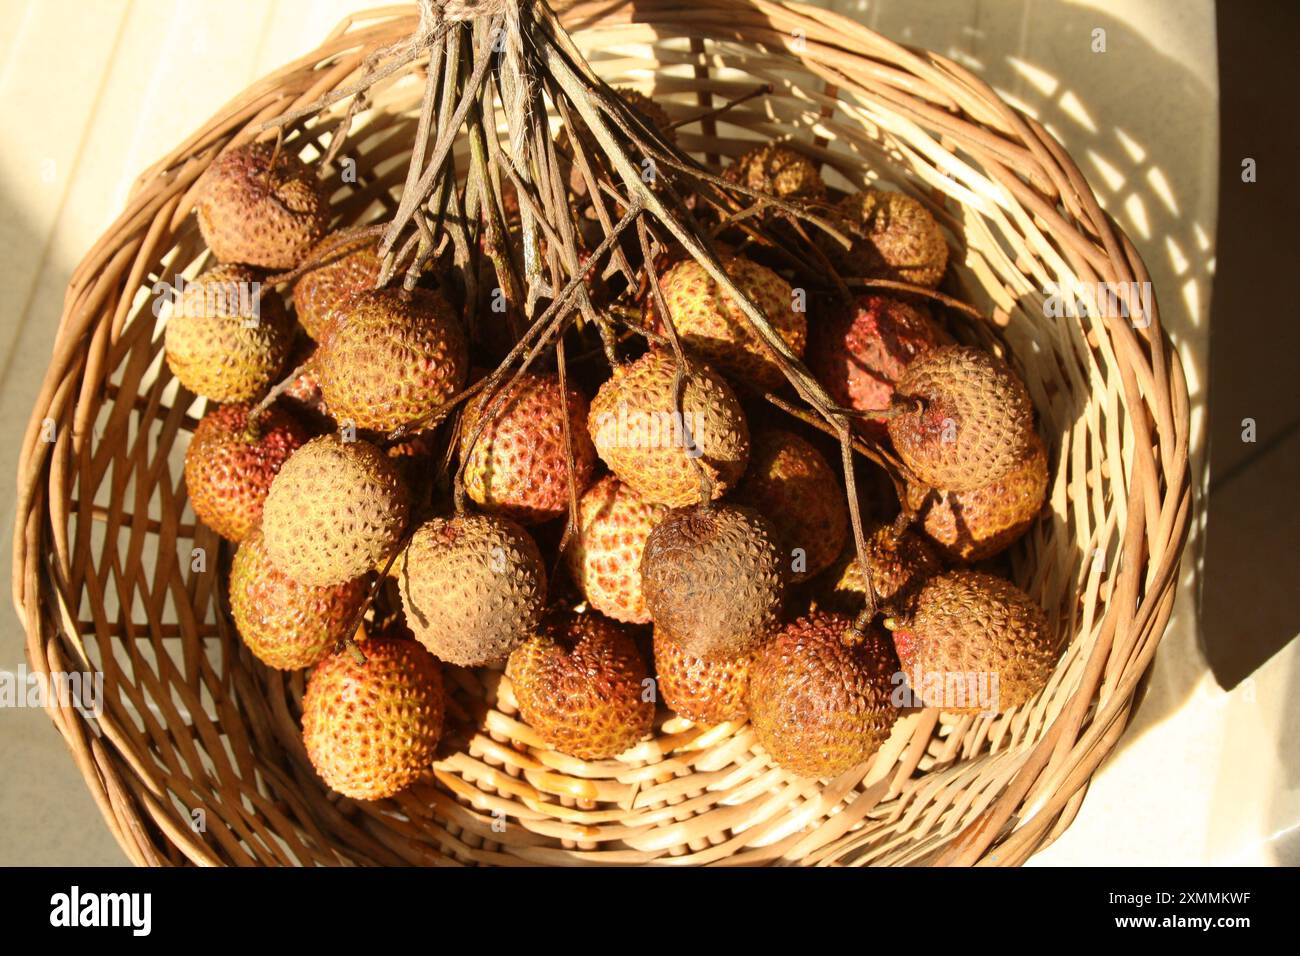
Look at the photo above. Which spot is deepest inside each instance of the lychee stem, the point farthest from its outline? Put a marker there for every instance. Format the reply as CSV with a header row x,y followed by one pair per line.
x,y
262,407
328,252
371,592
920,290
544,329
763,90
683,369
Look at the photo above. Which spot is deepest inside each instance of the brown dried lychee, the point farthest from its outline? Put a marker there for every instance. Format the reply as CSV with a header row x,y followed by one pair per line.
x,y
900,562
713,579
260,205
790,482
581,684
778,170
972,642
894,237
819,706
473,587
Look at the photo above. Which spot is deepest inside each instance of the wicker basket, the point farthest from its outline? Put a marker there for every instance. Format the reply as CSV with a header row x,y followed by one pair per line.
x,y
196,756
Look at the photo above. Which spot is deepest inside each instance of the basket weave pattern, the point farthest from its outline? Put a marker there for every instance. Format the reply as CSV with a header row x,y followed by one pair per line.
x,y
105,578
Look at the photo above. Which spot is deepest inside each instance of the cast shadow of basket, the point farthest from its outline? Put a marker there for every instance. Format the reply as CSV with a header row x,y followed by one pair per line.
x,y
34,279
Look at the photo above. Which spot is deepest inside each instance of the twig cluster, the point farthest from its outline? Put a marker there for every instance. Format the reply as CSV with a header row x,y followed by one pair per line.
x,y
510,66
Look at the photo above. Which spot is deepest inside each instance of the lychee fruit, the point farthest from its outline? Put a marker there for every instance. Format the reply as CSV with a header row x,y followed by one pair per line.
x,y
392,358
966,418
473,587
605,554
974,525
711,324
894,237
335,511
713,579
818,706
287,625
519,467
899,561
858,353
260,205
371,730
638,432
780,171
227,337
790,482
581,684
351,265
701,690
230,464
971,642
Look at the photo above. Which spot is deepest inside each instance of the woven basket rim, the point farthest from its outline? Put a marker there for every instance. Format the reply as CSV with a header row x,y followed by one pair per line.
x,y
911,89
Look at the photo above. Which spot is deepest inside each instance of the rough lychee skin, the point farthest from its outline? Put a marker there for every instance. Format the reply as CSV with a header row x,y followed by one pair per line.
x,y
351,266
392,358
519,466
335,511
229,468
473,587
818,706
900,563
703,691
637,432
287,625
858,353
894,237
975,424
790,483
605,554
973,525
714,579
253,213
371,730
780,171
970,623
226,339
581,684
711,324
